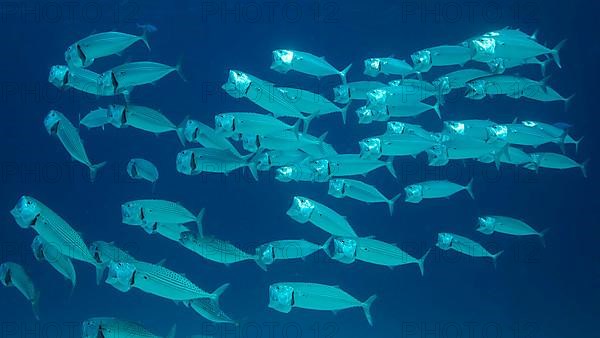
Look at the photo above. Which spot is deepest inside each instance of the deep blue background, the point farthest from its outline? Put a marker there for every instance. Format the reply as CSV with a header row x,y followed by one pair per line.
x,y
534,292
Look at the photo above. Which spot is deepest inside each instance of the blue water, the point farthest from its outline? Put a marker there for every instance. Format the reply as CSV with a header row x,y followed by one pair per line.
x,y
534,292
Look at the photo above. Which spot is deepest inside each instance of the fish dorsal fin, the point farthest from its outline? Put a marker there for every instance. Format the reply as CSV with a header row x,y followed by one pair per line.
x,y
161,262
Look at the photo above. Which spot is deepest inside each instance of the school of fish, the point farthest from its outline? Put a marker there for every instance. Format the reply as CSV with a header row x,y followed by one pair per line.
x,y
276,137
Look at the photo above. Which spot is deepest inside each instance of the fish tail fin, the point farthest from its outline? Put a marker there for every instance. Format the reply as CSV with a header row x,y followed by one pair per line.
x,y
421,262
325,246
181,128
344,72
498,156
542,235
260,264
392,202
577,144
179,70
367,308
219,291
35,304
296,128
306,122
555,52
253,170
172,331
469,188
99,272
199,222
495,258
344,112
568,101
534,35
94,170
436,108
584,166
544,65
144,37
389,164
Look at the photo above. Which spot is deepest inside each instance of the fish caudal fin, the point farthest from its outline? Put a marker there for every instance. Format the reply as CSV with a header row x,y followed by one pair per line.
x,y
94,170
144,37
436,108
367,308
180,128
568,101
325,246
172,331
543,66
35,304
469,188
583,167
555,52
542,235
260,264
344,112
495,258
344,72
392,202
219,291
199,222
306,122
577,144
389,164
179,70
421,262
99,272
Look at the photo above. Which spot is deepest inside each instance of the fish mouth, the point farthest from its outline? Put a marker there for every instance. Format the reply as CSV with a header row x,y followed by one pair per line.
x,y
97,257
193,165
7,279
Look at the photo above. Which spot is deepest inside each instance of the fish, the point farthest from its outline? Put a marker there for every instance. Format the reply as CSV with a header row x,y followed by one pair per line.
x,y
197,132
460,147
138,73
458,79
250,123
509,85
449,241
171,231
510,46
500,65
269,252
85,51
214,249
311,103
209,308
44,251
400,94
509,226
195,161
153,279
285,140
513,155
150,211
387,66
403,128
58,124
13,274
555,161
150,28
104,253
558,131
301,172
521,134
344,187
547,94
262,93
31,213
110,327
370,250
83,80
415,193
278,158
352,164
345,93
437,56
140,169
285,60
143,118
95,118
477,129
305,210
394,145
284,296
